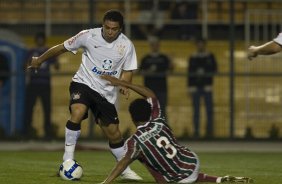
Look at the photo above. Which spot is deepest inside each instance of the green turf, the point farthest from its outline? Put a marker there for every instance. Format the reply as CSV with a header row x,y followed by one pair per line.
x,y
27,167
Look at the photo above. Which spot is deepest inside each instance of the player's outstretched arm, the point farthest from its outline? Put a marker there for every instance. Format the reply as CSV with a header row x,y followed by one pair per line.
x,y
118,169
142,90
265,49
52,52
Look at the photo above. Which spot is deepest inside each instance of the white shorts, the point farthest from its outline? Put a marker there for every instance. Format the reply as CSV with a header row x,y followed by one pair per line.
x,y
194,176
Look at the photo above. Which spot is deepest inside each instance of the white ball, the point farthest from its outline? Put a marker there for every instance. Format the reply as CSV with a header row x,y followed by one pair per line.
x,y
70,170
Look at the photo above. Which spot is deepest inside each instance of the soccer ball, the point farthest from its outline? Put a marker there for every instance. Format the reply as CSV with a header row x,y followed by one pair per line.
x,y
70,170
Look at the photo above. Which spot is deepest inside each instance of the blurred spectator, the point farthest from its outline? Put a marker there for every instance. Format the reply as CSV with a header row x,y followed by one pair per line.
x,y
201,68
4,72
151,18
39,86
185,11
155,66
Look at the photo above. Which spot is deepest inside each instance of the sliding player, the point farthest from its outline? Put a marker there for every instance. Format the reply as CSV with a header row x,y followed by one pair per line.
x,y
154,145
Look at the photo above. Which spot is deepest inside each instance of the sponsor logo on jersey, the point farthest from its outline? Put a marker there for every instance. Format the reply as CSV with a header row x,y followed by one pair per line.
x,y
99,72
151,133
107,65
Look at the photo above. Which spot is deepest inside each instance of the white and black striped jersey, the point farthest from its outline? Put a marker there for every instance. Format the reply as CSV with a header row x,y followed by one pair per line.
x,y
100,57
156,147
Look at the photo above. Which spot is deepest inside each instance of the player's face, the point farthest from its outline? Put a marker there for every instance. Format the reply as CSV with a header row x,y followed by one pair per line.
x,y
111,30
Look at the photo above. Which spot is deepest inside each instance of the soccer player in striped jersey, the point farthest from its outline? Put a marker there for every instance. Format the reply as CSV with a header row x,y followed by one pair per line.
x,y
268,48
154,145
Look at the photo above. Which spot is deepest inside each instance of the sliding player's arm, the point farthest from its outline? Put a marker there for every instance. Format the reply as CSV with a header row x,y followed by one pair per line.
x,y
118,169
126,76
142,90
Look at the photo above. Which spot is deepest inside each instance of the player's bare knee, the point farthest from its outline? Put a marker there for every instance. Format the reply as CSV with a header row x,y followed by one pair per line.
x,y
113,133
115,138
77,113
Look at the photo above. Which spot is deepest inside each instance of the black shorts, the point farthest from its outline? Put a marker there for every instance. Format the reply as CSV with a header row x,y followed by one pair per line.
x,y
100,107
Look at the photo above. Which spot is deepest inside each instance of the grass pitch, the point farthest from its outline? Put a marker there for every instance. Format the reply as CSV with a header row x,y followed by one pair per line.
x,y
38,167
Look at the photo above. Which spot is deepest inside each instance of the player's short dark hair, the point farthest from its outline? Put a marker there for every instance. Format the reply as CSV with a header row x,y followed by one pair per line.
x,y
114,15
140,110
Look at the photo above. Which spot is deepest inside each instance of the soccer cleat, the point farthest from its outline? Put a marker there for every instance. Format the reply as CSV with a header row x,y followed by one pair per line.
x,y
128,174
233,179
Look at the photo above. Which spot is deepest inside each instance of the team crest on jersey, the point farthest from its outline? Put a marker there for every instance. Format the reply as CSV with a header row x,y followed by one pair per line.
x,y
121,49
107,65
75,96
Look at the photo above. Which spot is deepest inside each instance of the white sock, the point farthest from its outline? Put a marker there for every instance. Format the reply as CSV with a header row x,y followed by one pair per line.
x,y
218,180
71,137
119,153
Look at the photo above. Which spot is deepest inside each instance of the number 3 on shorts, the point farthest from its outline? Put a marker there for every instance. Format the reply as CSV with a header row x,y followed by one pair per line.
x,y
164,142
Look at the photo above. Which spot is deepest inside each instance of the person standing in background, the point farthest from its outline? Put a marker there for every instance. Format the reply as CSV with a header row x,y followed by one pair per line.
x,y
4,73
4,69
201,68
38,85
151,15
185,11
155,67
